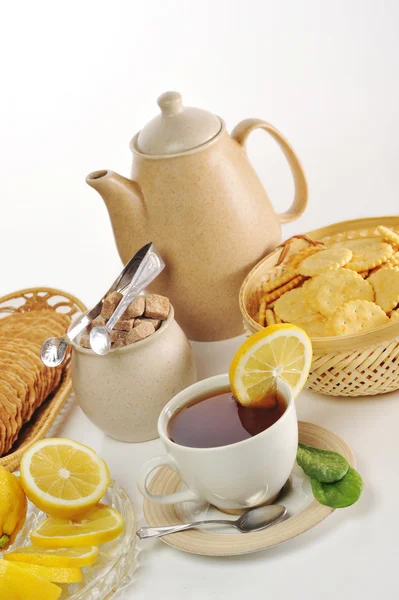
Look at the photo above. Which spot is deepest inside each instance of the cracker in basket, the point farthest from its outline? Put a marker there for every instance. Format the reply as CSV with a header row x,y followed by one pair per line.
x,y
270,317
328,291
301,255
395,315
284,278
272,296
325,260
314,326
389,235
293,307
368,253
356,316
386,286
363,274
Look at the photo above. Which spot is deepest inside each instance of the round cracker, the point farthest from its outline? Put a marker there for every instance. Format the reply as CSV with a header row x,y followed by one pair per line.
x,y
356,316
328,291
325,260
368,253
26,376
293,307
385,283
298,257
314,326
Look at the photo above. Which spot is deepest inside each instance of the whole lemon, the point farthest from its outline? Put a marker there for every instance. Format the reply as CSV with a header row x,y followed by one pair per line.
x,y
12,508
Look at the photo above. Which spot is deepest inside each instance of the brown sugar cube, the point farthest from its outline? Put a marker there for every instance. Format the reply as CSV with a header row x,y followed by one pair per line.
x,y
85,340
118,344
118,336
124,325
140,332
110,303
98,322
135,309
156,307
155,322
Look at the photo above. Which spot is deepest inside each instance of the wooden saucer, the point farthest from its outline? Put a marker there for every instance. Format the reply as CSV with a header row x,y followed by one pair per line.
x,y
197,541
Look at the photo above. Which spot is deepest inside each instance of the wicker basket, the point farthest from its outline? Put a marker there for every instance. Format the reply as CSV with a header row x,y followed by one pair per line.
x,y
362,364
37,427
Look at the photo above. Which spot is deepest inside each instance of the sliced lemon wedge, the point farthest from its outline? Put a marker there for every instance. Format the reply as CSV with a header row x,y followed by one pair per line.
x,y
62,477
54,574
99,525
278,351
18,584
54,557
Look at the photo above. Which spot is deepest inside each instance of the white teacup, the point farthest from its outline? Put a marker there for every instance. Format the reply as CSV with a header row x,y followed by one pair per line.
x,y
241,475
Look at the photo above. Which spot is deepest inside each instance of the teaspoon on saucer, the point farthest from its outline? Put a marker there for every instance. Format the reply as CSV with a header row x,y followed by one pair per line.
x,y
53,349
253,519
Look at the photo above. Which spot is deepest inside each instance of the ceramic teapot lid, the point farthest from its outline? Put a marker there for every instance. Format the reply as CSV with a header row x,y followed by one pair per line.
x,y
178,128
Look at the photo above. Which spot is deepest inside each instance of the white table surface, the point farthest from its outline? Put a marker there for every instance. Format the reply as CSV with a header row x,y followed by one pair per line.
x,y
351,555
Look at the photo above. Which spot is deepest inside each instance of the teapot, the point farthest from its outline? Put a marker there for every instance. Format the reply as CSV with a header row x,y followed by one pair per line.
x,y
194,193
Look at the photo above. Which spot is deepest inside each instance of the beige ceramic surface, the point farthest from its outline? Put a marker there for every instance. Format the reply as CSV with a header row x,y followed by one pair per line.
x,y
209,216
204,542
124,391
178,128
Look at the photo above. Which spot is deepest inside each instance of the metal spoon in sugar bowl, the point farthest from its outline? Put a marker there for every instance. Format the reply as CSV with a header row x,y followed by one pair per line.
x,y
151,265
53,350
254,519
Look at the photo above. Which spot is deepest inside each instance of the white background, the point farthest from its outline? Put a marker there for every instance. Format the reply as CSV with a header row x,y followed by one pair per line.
x,y
78,79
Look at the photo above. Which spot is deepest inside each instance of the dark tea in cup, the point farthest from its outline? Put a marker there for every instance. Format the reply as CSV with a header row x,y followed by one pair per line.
x,y
220,420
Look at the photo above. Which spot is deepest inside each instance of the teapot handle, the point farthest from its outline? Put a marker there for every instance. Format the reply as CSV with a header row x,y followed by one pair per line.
x,y
241,132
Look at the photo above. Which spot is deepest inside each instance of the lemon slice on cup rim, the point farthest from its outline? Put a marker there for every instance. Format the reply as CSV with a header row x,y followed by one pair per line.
x,y
279,351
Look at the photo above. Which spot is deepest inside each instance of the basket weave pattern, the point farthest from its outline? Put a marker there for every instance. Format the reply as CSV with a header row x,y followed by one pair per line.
x,y
363,364
25,301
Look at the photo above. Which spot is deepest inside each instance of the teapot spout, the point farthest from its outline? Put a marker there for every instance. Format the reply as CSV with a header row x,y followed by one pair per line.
x,y
125,203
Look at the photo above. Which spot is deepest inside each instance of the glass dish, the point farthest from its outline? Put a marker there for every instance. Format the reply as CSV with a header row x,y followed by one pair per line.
x,y
117,561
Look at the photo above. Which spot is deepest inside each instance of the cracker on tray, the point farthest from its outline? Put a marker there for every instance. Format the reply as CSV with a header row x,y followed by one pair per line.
x,y
25,382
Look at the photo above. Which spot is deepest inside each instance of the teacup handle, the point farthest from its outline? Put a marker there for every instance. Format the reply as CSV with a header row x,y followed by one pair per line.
x,y
240,134
146,470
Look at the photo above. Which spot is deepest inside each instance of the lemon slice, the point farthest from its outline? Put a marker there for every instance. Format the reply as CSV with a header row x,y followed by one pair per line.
x,y
99,525
51,557
63,478
19,584
278,351
54,574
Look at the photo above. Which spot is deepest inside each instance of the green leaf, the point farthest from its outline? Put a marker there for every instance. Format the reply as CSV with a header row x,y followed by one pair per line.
x,y
340,494
323,465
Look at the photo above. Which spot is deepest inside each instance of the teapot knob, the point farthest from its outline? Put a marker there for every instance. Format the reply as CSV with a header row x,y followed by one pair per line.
x,y
170,103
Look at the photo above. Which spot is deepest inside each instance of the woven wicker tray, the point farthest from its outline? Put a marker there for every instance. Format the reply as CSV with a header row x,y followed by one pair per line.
x,y
36,429
362,364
